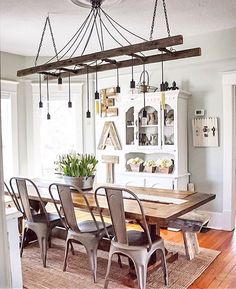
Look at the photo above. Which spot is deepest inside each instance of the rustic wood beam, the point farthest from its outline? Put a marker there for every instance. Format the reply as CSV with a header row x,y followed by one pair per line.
x,y
137,61
125,50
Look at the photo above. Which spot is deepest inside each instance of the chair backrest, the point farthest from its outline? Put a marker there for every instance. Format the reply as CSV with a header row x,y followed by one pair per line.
x,y
20,187
14,198
115,200
66,201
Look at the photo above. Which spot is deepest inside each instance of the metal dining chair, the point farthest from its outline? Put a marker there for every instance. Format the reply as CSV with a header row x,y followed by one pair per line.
x,y
87,232
137,246
39,221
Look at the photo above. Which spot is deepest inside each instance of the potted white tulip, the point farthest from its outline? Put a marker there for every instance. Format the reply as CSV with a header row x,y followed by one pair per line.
x,y
78,170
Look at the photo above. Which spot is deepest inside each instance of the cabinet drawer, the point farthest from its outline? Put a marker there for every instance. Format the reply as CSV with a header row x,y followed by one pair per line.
x,y
160,183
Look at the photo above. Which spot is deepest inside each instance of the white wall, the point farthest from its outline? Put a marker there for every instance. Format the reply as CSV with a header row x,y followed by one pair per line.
x,y
201,76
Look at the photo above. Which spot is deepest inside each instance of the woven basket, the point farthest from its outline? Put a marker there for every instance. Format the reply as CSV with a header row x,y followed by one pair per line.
x,y
136,168
165,170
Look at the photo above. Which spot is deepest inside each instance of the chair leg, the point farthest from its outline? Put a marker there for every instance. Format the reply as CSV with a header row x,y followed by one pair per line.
x,y
164,266
108,271
72,248
119,261
49,241
66,254
43,244
92,254
141,272
22,241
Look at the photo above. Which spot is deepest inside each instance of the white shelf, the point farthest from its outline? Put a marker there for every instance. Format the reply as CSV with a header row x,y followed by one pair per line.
x,y
149,125
132,126
158,175
144,174
148,149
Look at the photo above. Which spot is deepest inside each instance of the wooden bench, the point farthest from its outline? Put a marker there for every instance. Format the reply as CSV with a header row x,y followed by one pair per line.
x,y
190,224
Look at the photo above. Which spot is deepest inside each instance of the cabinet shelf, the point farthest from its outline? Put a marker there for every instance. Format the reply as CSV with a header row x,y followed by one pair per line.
x,y
130,126
145,174
149,125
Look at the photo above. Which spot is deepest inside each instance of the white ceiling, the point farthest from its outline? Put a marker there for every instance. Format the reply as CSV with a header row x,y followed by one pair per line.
x,y
22,21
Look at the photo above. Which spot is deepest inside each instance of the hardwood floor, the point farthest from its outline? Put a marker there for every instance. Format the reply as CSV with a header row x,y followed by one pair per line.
x,y
222,272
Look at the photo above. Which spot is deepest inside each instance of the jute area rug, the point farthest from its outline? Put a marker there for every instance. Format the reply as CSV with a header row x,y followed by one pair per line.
x,y
182,272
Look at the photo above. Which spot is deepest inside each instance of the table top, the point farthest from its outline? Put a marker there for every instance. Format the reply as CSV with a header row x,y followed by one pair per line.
x,y
159,205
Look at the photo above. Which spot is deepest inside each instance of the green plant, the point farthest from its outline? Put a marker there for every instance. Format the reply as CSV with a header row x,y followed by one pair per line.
x,y
76,165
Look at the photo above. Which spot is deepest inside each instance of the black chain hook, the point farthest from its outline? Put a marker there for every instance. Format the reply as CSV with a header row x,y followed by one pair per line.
x,y
42,37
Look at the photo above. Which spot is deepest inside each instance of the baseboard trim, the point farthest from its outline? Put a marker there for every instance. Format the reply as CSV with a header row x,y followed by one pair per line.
x,y
220,221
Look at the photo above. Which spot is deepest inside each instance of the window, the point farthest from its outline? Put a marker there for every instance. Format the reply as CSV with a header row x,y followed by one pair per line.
x,y
62,133
9,128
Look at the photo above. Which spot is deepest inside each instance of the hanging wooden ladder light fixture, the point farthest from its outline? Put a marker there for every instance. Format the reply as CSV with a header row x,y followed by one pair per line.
x,y
61,67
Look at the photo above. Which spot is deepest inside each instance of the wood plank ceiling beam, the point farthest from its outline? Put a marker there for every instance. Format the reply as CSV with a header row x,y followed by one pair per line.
x,y
124,50
135,62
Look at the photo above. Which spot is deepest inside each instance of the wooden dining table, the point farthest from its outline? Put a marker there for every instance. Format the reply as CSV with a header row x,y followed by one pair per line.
x,y
160,207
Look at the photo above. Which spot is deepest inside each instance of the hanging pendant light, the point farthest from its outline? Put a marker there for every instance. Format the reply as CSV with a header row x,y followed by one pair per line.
x,y
144,93
48,114
96,79
69,102
40,92
59,82
117,80
132,82
88,113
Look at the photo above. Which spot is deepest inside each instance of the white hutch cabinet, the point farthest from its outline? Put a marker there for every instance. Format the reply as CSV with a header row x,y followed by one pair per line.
x,y
162,135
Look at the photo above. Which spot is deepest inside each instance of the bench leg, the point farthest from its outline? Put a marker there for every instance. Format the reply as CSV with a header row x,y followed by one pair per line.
x,y
191,244
195,243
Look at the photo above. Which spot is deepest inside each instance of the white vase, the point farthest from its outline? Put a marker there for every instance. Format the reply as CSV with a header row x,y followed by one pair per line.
x,y
84,183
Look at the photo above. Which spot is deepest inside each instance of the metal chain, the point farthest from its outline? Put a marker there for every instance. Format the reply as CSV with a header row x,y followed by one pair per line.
x,y
41,41
53,40
153,20
42,37
166,17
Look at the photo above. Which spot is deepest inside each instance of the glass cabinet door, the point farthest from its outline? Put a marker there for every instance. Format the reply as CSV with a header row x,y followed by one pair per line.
x,y
130,125
148,127
168,139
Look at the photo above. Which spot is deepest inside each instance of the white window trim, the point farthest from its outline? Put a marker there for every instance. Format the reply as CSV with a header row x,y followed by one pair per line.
x,y
229,141
5,267
9,89
33,142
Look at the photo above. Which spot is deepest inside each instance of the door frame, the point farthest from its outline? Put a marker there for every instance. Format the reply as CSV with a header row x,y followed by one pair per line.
x,y
229,144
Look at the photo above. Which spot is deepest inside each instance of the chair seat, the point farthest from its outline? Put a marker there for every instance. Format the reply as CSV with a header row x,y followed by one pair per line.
x,y
41,218
89,226
137,239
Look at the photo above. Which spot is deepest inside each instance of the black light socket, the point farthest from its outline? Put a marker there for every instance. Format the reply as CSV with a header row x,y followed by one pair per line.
x,y
59,80
48,116
40,104
118,89
97,95
88,114
132,84
162,86
69,104
144,113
